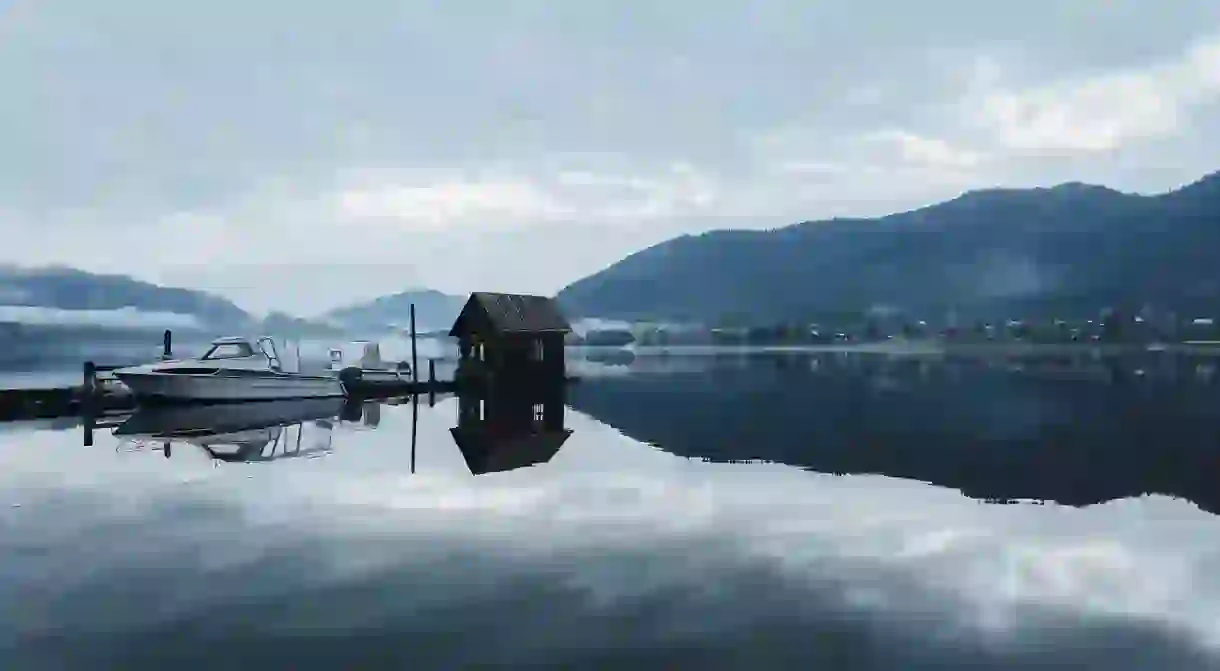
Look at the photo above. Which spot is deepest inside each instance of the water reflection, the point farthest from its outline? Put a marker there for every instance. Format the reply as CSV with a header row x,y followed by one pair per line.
x,y
247,432
506,431
1077,430
495,432
616,553
610,356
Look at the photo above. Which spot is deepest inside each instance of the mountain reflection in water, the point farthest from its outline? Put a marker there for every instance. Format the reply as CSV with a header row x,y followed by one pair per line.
x,y
578,545
1075,431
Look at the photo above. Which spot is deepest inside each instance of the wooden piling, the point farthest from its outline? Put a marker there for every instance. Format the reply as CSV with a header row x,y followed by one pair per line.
x,y
431,382
87,423
89,381
167,345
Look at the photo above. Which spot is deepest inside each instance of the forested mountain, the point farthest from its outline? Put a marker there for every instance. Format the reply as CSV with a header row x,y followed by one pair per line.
x,y
1072,248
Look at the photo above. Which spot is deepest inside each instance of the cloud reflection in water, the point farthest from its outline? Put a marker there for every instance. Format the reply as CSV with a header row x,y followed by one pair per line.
x,y
613,550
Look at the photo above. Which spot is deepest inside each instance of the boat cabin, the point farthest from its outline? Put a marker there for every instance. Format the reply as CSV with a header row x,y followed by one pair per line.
x,y
239,352
229,353
229,348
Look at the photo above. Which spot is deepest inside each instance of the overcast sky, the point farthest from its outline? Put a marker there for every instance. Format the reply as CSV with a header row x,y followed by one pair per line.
x,y
302,154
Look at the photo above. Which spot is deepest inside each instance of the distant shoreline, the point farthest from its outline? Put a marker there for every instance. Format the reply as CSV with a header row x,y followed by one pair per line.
x,y
924,348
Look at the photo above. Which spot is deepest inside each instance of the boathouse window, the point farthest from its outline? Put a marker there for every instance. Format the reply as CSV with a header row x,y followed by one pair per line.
x,y
537,350
229,350
539,412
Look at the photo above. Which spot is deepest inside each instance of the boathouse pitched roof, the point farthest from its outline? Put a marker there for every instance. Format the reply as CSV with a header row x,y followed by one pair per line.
x,y
514,313
486,452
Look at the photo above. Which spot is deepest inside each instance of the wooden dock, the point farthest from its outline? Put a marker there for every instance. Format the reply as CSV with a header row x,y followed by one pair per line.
x,y
99,392
56,402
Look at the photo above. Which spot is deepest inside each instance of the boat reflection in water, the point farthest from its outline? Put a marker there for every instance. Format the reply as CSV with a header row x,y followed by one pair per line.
x,y
234,433
497,430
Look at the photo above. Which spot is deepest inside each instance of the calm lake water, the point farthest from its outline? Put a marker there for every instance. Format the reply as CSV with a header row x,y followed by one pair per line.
x,y
738,512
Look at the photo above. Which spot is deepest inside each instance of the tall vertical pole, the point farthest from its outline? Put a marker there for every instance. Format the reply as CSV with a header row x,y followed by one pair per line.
x,y
414,355
414,427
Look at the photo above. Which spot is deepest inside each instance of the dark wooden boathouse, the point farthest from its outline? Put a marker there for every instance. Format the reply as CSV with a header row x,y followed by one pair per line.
x,y
511,339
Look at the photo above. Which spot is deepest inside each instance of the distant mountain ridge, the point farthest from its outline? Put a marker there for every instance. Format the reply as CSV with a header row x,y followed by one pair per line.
x,y
59,317
69,289
68,298
988,253
433,310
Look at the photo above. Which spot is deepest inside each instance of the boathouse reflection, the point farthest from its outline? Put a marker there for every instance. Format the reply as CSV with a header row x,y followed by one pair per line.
x,y
501,431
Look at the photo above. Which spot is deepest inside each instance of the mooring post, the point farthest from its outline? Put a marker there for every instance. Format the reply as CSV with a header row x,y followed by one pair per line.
x,y
414,356
431,382
87,422
167,345
88,399
89,384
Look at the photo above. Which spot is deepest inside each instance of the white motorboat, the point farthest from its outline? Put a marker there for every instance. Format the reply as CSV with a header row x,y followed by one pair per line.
x,y
233,369
372,368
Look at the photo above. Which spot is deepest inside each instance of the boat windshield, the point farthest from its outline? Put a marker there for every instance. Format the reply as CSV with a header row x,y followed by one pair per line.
x,y
229,350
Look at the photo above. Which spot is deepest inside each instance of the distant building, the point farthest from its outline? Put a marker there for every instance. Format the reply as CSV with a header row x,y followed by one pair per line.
x,y
730,335
1202,329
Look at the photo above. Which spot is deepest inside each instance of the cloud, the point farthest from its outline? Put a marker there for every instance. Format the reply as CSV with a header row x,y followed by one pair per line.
x,y
930,152
124,317
528,197
447,204
1098,112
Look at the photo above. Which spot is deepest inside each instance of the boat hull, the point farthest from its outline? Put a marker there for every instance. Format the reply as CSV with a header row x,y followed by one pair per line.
x,y
177,387
385,377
